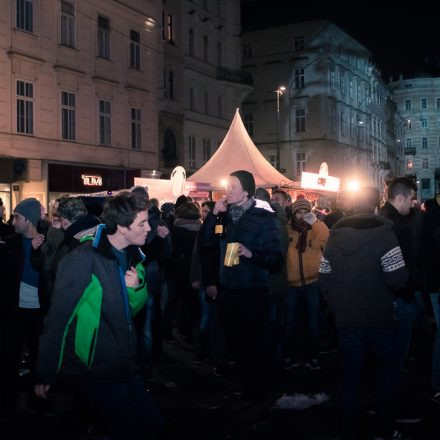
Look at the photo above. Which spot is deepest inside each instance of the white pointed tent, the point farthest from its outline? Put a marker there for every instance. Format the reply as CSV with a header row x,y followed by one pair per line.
x,y
238,152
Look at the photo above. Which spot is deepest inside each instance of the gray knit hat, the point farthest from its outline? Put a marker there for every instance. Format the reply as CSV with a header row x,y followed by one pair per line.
x,y
301,204
30,209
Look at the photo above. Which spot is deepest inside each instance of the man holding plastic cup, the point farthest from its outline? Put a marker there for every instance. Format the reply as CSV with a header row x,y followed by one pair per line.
x,y
249,251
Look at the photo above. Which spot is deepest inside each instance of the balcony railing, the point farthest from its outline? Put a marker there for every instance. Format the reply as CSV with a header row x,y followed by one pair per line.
x,y
235,76
410,151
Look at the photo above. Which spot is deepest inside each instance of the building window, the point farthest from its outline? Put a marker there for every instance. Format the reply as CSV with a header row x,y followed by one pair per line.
x,y
299,78
192,151
220,8
169,32
300,163
219,53
358,92
298,43
425,183
409,164
408,143
272,158
135,50
425,163
206,103
424,142
424,123
350,88
246,52
67,24
25,107
103,38
438,103
170,84
333,119
68,116
343,125
192,99
407,104
300,120
136,129
248,119
206,149
25,15
220,106
423,103
205,48
332,79
105,122
342,83
191,41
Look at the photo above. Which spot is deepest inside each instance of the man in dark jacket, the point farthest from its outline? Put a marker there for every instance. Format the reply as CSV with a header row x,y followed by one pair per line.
x,y
401,196
251,224
89,337
361,267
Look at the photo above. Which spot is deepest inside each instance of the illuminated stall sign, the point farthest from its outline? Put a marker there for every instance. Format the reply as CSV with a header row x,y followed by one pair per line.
x,y
89,180
321,181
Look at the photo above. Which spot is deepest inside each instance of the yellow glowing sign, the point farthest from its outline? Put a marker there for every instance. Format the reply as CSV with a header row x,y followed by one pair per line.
x,y
89,180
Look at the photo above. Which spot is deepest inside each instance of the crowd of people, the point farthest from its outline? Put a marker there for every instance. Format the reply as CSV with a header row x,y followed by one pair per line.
x,y
254,280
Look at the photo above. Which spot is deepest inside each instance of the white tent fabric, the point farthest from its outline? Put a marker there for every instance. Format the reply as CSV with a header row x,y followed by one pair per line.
x,y
238,152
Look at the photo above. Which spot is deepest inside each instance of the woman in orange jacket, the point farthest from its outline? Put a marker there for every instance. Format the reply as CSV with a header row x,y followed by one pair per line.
x,y
307,239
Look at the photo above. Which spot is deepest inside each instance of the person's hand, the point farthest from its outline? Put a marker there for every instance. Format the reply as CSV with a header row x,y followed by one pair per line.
x,y
220,206
212,291
310,218
41,390
131,277
162,231
37,241
244,251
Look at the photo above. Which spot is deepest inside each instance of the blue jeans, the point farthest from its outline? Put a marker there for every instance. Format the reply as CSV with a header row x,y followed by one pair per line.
x,y
355,344
435,375
302,301
125,409
405,315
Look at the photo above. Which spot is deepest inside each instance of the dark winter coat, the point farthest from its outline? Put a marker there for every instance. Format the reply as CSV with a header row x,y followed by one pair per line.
x,y
92,266
258,231
361,268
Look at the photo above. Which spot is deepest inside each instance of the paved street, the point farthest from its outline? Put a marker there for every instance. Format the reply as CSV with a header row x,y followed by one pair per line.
x,y
198,405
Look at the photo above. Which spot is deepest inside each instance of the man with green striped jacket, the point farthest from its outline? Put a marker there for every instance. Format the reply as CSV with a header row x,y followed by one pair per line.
x,y
89,338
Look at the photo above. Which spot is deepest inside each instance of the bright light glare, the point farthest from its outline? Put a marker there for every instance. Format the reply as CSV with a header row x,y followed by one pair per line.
x,y
353,185
223,182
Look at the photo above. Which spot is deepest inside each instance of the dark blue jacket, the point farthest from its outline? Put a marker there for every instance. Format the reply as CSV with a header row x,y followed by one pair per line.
x,y
258,231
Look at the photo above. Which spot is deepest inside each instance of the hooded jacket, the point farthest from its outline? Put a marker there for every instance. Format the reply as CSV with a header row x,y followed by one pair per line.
x,y
361,268
88,333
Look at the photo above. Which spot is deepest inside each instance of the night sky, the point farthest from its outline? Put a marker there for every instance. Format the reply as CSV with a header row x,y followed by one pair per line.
x,y
403,38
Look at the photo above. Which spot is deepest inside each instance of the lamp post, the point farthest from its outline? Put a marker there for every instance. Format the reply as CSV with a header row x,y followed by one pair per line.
x,y
279,91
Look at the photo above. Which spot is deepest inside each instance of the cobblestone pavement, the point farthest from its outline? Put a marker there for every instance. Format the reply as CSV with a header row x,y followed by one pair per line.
x,y
198,405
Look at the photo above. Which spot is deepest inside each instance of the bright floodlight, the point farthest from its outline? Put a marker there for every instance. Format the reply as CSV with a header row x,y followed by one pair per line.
x,y
353,185
223,182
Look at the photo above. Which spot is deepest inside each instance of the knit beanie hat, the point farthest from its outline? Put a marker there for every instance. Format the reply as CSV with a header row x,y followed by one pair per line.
x,y
30,209
301,204
247,181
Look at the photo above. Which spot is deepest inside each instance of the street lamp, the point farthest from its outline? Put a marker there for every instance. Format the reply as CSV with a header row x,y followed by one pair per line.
x,y
279,91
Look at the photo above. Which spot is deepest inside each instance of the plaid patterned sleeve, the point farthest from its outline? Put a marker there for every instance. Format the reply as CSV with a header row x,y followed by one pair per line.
x,y
392,260
324,266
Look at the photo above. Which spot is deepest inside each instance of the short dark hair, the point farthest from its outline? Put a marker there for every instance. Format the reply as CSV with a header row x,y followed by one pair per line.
x,y
209,204
402,186
71,208
262,194
189,211
366,200
283,193
122,210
